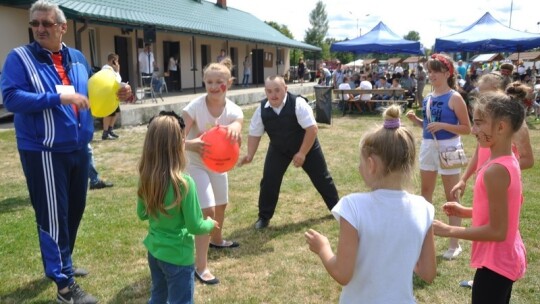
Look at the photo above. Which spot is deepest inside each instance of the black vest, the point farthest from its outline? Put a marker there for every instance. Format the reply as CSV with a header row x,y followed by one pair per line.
x,y
284,131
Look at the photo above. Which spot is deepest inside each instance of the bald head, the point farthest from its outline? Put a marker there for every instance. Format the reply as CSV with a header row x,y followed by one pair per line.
x,y
276,90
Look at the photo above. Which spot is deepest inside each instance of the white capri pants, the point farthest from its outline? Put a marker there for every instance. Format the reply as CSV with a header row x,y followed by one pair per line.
x,y
212,188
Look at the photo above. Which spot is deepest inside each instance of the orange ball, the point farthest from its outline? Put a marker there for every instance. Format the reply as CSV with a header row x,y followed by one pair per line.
x,y
221,153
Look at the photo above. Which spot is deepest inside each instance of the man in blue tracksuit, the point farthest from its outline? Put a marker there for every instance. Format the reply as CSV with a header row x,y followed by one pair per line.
x,y
45,84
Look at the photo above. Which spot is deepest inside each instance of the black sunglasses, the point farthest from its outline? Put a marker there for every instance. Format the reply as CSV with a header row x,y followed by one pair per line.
x,y
170,113
45,24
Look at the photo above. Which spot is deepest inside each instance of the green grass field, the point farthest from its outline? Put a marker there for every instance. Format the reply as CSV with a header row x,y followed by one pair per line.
x,y
271,266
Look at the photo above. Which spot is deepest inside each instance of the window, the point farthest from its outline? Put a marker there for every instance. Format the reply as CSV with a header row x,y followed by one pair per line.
x,y
280,56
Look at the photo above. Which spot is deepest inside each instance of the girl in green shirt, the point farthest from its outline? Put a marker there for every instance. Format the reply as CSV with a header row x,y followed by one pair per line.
x,y
168,200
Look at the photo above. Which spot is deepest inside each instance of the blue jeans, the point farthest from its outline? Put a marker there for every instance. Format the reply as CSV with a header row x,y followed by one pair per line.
x,y
171,284
245,81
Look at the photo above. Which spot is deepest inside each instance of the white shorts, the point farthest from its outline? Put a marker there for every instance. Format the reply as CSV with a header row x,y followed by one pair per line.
x,y
212,188
429,155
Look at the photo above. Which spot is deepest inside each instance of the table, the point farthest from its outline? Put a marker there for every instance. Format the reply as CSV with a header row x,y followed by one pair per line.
x,y
394,94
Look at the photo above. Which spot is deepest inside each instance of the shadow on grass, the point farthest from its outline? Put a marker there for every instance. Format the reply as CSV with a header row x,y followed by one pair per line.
x,y
12,204
418,283
27,293
252,241
137,292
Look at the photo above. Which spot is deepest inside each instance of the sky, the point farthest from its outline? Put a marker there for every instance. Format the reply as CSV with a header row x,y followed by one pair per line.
x,y
350,18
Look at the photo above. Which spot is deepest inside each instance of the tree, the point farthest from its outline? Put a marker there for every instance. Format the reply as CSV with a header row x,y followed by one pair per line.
x,y
343,57
295,54
415,36
282,28
319,27
412,35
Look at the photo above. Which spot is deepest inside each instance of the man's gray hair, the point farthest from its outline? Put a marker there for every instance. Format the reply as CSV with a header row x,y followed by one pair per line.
x,y
47,6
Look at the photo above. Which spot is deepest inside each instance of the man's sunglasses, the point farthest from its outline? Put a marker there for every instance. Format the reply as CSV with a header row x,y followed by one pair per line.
x,y
45,24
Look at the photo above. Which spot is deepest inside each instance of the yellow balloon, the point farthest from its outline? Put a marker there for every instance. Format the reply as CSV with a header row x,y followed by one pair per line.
x,y
102,88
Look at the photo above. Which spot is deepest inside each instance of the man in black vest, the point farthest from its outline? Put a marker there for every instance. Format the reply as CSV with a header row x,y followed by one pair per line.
x,y
292,129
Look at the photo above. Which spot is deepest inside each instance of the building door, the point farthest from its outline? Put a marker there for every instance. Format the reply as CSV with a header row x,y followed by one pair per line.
x,y
205,58
121,48
172,49
257,59
233,53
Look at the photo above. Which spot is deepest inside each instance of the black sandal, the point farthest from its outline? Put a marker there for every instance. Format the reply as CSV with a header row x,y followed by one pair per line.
x,y
233,244
199,277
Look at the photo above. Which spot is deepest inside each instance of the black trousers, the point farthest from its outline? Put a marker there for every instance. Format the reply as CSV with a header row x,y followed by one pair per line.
x,y
490,287
275,166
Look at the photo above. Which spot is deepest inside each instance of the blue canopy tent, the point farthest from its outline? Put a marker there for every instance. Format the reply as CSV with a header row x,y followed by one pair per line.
x,y
488,35
379,40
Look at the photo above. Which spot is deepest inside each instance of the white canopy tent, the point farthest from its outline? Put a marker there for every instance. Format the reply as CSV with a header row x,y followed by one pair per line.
x,y
357,62
487,57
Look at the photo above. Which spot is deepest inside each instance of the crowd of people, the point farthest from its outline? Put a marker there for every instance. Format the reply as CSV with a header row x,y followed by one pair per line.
x,y
412,81
184,202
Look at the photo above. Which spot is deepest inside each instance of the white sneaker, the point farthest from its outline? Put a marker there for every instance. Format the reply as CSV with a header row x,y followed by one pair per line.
x,y
466,283
452,253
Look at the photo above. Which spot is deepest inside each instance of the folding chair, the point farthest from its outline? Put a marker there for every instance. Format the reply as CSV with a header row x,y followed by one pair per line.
x,y
157,86
146,88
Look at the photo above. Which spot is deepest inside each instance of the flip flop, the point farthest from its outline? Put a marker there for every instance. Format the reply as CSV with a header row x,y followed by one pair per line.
x,y
199,277
224,245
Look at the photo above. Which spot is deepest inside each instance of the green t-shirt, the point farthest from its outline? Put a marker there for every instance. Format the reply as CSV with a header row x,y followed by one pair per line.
x,y
170,237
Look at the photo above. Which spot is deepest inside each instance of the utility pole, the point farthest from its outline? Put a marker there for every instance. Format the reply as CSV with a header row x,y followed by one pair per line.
x,y
358,28
511,9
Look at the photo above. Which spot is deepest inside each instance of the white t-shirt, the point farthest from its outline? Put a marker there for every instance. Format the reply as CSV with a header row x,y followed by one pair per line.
x,y
146,64
345,86
326,72
304,115
392,225
398,69
203,120
118,76
247,67
173,64
365,85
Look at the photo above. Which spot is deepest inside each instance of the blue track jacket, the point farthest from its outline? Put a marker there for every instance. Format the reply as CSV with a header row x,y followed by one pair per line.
x,y
29,82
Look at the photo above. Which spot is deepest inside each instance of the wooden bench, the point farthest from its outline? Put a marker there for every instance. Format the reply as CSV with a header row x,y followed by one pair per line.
x,y
394,95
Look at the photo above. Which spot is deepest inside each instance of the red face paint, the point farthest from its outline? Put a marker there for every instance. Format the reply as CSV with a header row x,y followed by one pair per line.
x,y
223,88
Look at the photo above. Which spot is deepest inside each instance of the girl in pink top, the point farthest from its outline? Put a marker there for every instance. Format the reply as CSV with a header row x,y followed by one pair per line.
x,y
521,142
498,252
